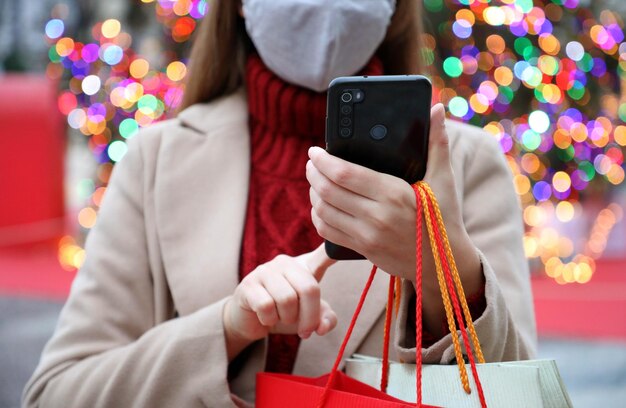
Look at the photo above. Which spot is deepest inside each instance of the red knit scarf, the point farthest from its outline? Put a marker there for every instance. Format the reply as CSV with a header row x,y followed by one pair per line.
x,y
285,120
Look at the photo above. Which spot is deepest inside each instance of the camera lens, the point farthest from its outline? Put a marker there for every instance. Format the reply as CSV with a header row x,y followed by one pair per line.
x,y
345,132
378,132
346,97
346,122
346,109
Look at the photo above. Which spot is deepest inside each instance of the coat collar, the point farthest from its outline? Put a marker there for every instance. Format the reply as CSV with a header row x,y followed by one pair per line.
x,y
200,228
228,110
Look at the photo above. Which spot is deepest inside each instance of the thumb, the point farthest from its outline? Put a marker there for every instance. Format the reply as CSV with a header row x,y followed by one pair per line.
x,y
317,262
438,143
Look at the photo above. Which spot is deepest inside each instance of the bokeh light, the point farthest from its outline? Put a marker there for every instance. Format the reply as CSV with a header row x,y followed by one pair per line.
x,y
547,80
554,100
54,28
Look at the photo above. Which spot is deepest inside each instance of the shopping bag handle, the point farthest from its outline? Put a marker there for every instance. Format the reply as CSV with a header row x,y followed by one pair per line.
x,y
448,278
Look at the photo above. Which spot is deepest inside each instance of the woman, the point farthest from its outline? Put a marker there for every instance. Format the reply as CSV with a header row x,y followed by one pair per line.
x,y
205,266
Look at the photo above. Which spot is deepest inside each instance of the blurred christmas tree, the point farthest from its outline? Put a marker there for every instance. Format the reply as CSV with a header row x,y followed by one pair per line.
x,y
546,78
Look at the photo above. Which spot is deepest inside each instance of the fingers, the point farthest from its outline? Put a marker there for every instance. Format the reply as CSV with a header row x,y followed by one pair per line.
x,y
328,319
284,296
258,300
331,233
339,197
355,178
332,215
308,290
317,262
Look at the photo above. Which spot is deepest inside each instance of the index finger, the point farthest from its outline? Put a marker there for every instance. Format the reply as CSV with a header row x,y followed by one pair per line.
x,y
356,178
317,262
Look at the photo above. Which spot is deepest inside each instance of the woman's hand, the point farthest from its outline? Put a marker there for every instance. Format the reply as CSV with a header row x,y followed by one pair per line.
x,y
374,213
280,296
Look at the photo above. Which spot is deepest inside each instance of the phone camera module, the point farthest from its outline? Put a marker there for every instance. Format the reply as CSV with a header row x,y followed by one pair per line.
x,y
346,122
346,109
358,96
346,97
378,132
345,132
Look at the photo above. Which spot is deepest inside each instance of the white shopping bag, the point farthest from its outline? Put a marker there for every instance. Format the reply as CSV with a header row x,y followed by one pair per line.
x,y
519,384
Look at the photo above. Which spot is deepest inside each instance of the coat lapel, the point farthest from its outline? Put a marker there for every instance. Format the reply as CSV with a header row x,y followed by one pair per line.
x,y
201,195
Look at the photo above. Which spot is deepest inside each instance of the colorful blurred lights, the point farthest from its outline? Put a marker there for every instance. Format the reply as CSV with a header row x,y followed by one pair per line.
x,y
54,28
111,28
76,118
531,140
619,134
539,121
139,68
575,50
128,128
64,46
503,76
91,84
117,150
453,67
112,54
458,106
542,191
89,53
176,71
555,152
67,102
565,211
462,28
87,217
561,181
494,16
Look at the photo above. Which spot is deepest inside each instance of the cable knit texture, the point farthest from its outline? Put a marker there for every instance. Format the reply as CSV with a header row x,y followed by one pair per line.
x,y
285,120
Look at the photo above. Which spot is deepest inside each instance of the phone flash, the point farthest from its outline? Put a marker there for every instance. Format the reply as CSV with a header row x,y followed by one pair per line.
x,y
359,96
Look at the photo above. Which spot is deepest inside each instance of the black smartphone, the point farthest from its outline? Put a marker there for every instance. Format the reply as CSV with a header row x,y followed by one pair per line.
x,y
380,122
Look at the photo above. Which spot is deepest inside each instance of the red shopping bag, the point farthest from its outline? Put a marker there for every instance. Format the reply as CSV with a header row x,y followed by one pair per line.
x,y
338,390
288,391
331,390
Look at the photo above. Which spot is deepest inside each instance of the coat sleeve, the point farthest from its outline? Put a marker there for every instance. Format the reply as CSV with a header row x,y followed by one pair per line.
x,y
108,350
492,217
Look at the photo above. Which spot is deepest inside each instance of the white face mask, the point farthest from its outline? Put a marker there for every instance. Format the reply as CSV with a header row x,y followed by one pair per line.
x,y
311,42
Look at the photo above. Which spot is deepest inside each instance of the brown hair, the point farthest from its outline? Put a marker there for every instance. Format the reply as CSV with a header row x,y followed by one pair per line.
x,y
221,46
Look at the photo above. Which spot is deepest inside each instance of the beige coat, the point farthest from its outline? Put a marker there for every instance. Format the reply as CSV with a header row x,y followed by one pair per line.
x,y
168,238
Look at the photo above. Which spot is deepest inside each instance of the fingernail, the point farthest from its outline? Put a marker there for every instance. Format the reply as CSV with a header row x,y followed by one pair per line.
x,y
313,150
325,325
